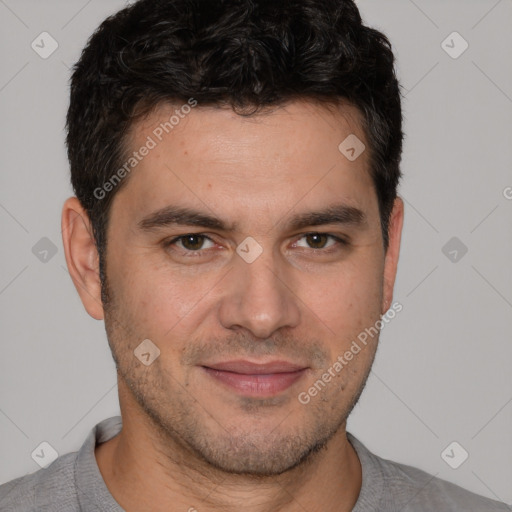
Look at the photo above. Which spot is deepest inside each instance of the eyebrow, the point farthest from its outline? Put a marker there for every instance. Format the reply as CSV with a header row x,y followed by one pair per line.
x,y
175,215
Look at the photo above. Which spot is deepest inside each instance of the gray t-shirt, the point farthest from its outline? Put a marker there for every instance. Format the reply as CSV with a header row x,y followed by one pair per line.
x,y
73,483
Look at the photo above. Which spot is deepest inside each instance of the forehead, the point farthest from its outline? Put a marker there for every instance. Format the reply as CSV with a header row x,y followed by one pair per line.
x,y
215,158
215,131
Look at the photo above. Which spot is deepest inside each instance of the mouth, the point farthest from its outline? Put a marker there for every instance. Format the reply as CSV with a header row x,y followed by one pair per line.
x,y
255,379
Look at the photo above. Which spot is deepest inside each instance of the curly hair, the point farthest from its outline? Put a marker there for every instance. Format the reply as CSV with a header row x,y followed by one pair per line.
x,y
244,54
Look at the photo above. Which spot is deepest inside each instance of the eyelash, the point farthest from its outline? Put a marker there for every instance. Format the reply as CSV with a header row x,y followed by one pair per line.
x,y
199,252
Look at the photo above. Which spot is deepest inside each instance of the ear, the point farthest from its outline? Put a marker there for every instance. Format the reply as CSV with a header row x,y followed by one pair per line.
x,y
391,258
82,256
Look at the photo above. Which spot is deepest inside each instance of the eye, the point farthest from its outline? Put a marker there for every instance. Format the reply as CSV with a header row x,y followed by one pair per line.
x,y
319,241
191,242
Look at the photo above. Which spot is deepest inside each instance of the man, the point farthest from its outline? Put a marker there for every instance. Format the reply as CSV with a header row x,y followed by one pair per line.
x,y
237,226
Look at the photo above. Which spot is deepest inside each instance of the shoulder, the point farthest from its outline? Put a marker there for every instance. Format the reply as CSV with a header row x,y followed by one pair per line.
x,y
414,490
48,489
409,489
69,480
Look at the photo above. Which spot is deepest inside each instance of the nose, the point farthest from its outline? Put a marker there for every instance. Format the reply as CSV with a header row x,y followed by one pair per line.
x,y
258,296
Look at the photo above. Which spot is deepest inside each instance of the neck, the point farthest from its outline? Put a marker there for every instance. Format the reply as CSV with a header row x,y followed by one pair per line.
x,y
142,467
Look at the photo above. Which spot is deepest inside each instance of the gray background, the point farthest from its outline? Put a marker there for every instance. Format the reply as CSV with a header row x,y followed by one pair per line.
x,y
442,372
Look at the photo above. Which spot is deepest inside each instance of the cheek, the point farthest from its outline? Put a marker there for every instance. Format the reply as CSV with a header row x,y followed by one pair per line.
x,y
161,307
346,298
168,306
149,301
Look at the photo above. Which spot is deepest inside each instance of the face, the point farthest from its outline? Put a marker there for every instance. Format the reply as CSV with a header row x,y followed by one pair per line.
x,y
249,251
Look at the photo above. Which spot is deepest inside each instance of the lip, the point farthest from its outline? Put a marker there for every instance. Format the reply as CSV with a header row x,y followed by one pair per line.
x,y
243,366
256,379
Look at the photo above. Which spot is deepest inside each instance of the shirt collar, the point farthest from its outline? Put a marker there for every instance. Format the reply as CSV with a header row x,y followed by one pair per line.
x,y
93,494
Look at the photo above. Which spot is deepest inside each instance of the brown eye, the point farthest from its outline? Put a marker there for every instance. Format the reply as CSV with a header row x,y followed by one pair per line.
x,y
324,242
191,242
317,240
